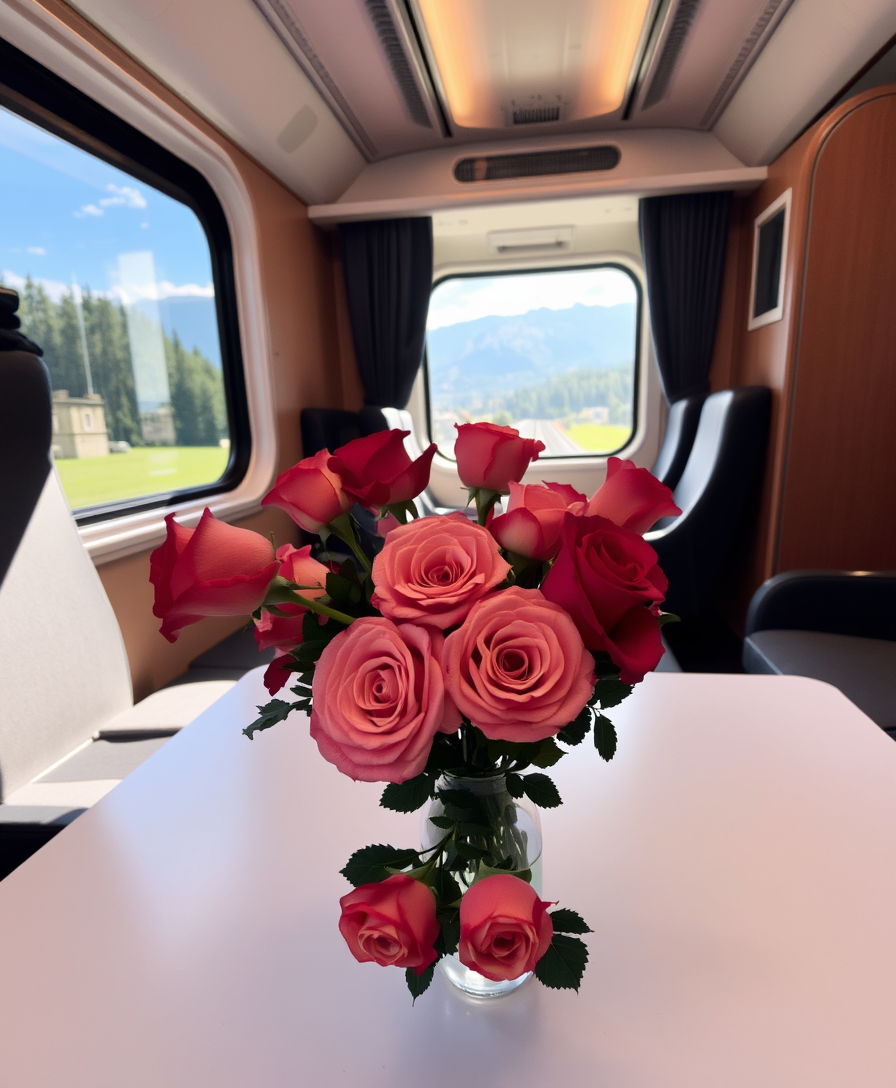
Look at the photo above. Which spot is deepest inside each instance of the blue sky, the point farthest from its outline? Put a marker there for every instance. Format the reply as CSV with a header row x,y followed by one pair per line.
x,y
65,214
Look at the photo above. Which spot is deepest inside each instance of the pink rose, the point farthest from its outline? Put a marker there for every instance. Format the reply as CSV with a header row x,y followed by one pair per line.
x,y
631,497
505,928
490,457
215,569
531,526
298,566
608,580
376,470
434,570
518,668
392,923
379,699
310,492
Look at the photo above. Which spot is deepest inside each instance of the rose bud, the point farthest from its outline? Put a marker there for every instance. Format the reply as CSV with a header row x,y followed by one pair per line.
x,y
310,493
376,471
433,570
392,923
490,457
517,667
505,928
608,580
379,699
631,497
215,569
531,526
298,566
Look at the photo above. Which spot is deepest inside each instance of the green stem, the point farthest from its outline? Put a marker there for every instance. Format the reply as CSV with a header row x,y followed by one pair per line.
x,y
342,527
323,609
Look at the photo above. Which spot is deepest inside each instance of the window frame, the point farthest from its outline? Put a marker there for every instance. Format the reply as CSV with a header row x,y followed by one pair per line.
x,y
583,266
87,62
32,92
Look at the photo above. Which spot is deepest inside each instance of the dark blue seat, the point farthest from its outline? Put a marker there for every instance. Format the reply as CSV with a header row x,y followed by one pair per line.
x,y
681,429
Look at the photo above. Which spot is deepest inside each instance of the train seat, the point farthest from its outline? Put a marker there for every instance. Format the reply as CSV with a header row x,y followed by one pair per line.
x,y
835,626
681,429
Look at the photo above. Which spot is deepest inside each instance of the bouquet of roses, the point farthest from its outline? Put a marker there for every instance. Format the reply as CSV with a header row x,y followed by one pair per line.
x,y
466,650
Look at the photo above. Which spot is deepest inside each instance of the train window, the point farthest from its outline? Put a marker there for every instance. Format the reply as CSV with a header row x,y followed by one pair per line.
x,y
120,284
553,353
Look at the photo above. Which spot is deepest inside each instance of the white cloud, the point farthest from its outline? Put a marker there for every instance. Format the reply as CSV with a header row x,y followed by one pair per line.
x,y
462,299
88,209
124,196
54,288
38,251
136,292
144,226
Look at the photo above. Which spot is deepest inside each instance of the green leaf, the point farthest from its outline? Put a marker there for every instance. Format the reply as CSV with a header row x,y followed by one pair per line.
x,y
604,737
541,791
568,921
459,798
504,869
469,851
611,691
419,984
444,823
549,753
449,924
563,965
445,886
371,864
515,785
341,591
577,730
408,796
668,617
270,714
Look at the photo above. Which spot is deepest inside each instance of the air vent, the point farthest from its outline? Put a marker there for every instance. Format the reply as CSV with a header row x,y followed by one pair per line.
x,y
577,160
662,76
381,18
749,51
536,116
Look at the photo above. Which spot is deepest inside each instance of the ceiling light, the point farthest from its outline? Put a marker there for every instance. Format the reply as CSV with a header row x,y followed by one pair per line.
x,y
502,62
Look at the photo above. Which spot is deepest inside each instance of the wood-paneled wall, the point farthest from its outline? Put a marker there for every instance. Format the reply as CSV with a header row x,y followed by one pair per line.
x,y
829,493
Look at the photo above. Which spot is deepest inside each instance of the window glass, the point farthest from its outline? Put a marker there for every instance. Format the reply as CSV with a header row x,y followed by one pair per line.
x,y
116,286
553,354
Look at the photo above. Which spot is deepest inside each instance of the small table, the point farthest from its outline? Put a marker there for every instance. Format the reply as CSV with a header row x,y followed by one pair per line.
x,y
737,861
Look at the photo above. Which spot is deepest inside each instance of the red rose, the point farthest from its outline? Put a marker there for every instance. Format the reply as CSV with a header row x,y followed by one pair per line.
x,y
531,526
433,570
298,566
310,492
631,497
607,579
490,457
379,699
215,569
278,673
392,923
517,668
377,471
505,928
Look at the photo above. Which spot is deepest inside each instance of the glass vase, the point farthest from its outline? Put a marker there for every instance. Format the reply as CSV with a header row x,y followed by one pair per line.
x,y
515,832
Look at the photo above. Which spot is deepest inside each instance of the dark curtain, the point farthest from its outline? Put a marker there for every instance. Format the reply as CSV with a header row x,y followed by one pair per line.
x,y
387,265
684,239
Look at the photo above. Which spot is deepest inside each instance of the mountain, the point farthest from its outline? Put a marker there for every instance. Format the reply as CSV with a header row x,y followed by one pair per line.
x,y
495,355
193,318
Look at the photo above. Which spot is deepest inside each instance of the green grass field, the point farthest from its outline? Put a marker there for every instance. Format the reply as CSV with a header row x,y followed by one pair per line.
x,y
91,480
599,438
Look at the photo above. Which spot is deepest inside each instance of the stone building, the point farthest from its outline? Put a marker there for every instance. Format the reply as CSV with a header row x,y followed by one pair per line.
x,y
79,426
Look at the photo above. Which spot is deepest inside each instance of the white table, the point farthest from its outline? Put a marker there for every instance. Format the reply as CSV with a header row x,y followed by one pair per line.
x,y
737,861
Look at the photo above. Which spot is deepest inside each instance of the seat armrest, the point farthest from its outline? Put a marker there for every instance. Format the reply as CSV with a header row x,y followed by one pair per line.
x,y
840,602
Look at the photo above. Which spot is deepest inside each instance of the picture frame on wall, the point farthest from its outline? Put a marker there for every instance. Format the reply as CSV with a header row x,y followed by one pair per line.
x,y
770,235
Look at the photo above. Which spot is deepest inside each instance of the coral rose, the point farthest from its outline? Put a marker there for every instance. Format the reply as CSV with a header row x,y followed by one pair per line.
x,y
518,668
376,471
631,497
531,526
434,570
285,631
489,456
379,699
608,580
505,928
392,923
215,569
310,492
